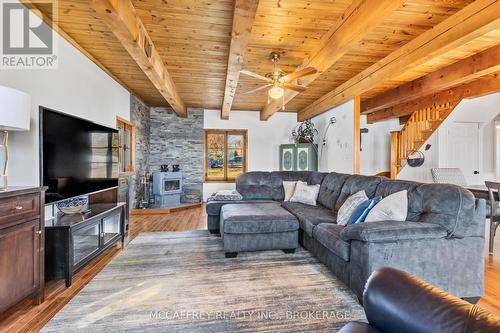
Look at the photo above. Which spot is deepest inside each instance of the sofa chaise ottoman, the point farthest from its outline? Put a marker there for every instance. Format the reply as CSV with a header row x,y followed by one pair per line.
x,y
258,227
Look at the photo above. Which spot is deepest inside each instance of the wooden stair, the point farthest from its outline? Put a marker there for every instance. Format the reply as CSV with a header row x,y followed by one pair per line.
x,y
416,131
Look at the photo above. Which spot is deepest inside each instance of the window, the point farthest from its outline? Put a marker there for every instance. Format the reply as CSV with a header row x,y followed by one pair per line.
x,y
126,152
225,154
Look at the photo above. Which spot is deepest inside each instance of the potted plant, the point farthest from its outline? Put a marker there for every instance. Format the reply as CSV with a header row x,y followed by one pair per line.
x,y
306,132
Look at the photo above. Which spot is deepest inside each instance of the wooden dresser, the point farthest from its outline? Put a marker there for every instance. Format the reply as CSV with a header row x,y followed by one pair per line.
x,y
21,245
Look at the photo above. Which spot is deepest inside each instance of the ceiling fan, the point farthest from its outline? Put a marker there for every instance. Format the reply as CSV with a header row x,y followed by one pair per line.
x,y
278,81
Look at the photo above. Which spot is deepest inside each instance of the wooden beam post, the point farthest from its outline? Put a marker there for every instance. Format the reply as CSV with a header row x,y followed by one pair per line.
x,y
473,21
243,18
394,154
126,25
468,69
357,21
357,136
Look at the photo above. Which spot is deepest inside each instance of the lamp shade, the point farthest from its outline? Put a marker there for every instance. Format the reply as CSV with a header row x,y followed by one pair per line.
x,y
15,109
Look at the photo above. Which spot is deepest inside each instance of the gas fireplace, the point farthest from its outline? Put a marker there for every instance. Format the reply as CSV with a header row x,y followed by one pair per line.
x,y
167,189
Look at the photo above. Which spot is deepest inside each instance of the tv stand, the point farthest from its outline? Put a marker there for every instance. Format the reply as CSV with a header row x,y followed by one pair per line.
x,y
72,241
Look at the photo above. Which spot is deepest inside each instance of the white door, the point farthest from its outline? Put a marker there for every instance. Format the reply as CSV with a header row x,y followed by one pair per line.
x,y
462,150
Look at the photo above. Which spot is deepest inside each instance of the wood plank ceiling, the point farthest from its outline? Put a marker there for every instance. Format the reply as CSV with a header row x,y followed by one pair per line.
x,y
193,39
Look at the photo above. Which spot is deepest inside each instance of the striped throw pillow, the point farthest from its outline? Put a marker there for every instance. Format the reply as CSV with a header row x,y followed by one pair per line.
x,y
349,206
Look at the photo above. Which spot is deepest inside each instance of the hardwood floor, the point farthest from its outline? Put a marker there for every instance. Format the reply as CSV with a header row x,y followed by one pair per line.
x,y
189,219
491,299
26,317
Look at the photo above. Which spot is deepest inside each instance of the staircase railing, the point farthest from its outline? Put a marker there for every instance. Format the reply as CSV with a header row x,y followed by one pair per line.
x,y
417,129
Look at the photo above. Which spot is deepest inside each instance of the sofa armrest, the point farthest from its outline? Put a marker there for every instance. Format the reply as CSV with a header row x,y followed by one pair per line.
x,y
390,231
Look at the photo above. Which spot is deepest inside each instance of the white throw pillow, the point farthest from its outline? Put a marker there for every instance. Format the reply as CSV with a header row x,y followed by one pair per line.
x,y
306,194
394,207
289,188
349,206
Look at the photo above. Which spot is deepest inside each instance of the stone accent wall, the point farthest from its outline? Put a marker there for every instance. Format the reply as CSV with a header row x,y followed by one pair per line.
x,y
140,116
175,140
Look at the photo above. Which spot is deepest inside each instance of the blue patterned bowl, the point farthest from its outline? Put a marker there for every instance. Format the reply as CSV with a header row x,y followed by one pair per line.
x,y
73,206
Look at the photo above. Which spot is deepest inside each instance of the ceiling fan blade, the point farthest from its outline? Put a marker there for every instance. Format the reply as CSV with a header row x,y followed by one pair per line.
x,y
255,75
294,87
258,89
300,73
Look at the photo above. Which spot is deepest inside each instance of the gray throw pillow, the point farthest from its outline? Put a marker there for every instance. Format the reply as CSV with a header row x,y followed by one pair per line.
x,y
349,206
306,194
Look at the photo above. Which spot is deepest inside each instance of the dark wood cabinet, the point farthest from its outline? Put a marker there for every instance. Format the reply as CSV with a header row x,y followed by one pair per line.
x,y
21,246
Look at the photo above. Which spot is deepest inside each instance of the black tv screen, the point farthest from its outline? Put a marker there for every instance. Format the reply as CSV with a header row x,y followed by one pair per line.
x,y
77,157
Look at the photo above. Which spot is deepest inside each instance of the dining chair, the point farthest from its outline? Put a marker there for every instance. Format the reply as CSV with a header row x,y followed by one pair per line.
x,y
448,176
494,211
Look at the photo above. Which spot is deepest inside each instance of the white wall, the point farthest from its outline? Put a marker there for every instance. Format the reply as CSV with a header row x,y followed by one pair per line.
x,y
337,155
376,146
77,87
338,152
264,139
423,173
481,110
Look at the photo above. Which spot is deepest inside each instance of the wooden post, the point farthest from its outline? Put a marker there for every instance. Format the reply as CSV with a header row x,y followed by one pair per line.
x,y
394,154
357,135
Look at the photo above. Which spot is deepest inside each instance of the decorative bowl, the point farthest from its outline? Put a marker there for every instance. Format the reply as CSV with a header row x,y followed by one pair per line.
x,y
73,206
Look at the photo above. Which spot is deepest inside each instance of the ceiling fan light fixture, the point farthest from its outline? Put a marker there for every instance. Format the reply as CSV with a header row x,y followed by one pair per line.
x,y
276,92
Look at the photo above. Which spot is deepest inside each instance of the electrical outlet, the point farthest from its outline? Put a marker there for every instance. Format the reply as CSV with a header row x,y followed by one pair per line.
x,y
333,120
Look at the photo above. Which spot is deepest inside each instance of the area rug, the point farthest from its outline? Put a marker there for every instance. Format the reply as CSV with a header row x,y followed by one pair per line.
x,y
181,282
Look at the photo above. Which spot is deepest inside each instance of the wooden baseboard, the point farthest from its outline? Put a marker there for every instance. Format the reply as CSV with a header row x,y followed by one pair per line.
x,y
163,211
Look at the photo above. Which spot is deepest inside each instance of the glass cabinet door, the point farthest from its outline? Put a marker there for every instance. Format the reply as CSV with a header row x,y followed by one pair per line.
x,y
111,228
85,242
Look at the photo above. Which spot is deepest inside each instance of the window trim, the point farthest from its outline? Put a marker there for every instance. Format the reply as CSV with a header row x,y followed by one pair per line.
x,y
226,132
129,170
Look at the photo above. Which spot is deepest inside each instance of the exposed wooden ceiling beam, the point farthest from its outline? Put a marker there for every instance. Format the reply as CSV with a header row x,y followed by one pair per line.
x,y
465,70
122,18
32,7
357,21
479,87
243,18
473,21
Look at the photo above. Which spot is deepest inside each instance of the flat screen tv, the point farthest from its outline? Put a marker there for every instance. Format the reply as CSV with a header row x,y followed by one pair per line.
x,y
77,157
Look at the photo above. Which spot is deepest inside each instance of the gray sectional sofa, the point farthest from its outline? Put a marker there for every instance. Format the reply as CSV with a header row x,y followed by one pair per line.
x,y
441,242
